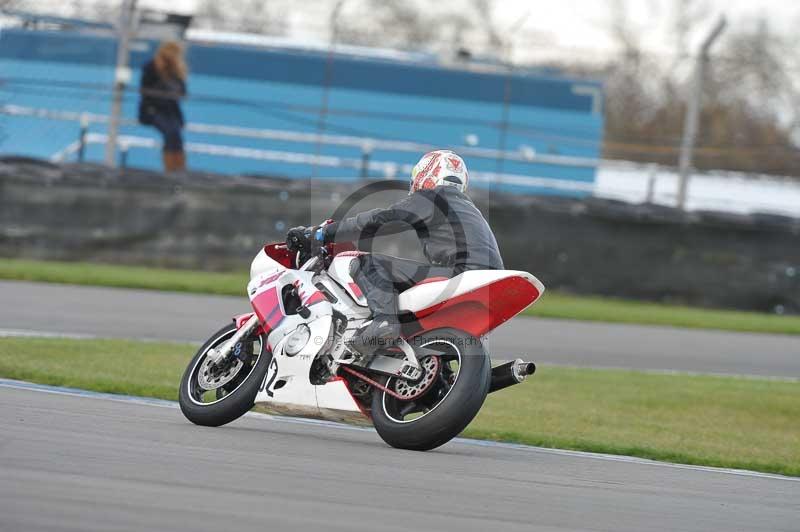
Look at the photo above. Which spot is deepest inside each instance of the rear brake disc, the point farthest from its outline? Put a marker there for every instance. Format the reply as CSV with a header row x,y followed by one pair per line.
x,y
408,390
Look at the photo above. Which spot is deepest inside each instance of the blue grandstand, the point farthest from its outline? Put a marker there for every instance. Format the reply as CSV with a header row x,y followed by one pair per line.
x,y
380,95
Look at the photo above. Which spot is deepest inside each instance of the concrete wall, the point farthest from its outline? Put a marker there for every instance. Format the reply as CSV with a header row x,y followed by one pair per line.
x,y
582,246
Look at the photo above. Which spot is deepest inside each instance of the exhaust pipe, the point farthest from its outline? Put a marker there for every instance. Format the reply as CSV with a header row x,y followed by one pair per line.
x,y
510,373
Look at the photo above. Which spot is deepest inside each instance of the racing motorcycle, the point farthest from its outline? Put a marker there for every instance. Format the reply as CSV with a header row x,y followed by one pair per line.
x,y
293,355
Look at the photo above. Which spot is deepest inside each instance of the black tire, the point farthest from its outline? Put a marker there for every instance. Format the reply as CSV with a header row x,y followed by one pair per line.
x,y
451,414
235,402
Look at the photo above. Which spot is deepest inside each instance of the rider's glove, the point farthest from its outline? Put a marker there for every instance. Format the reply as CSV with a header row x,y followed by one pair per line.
x,y
325,232
308,238
298,238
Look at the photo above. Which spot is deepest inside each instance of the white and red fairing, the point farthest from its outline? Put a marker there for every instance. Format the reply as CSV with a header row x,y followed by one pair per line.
x,y
286,387
339,271
475,301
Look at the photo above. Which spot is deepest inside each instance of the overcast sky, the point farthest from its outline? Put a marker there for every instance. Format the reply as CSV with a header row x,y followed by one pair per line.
x,y
584,23
579,26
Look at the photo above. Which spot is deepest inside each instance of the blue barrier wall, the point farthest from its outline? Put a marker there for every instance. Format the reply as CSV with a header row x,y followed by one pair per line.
x,y
285,88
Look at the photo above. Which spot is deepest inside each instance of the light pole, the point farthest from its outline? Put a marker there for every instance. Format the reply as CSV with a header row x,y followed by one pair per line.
x,y
509,71
690,124
328,78
122,76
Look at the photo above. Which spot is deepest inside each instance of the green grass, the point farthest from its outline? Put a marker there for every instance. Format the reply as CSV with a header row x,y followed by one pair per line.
x,y
147,369
552,305
93,274
691,419
587,308
704,420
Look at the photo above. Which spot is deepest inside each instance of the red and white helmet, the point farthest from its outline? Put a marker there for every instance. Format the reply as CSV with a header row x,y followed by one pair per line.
x,y
440,167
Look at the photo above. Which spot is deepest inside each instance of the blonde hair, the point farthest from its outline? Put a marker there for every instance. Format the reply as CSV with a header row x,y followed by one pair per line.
x,y
169,61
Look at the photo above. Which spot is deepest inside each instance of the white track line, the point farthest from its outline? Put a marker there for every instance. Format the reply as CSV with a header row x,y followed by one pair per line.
x,y
22,385
30,333
26,333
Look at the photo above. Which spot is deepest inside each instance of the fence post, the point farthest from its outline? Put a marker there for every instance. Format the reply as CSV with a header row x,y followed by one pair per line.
x,y
652,172
82,137
123,155
691,121
122,74
366,151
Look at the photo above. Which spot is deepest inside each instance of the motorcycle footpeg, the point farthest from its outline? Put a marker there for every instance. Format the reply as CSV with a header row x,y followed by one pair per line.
x,y
510,373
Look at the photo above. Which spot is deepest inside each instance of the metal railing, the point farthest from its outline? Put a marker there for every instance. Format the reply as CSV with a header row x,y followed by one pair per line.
x,y
388,169
622,180
364,164
365,144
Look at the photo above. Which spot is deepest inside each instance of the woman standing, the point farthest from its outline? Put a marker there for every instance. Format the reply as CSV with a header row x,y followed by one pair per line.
x,y
162,87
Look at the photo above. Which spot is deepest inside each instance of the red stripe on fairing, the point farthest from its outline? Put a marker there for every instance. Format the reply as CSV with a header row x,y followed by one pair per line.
x,y
431,280
269,279
266,304
481,310
274,319
356,290
316,297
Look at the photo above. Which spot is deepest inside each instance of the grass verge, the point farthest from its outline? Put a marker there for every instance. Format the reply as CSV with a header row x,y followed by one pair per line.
x,y
92,274
703,420
552,305
589,308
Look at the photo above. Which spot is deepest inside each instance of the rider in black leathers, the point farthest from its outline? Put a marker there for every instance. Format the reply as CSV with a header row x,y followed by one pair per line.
x,y
454,235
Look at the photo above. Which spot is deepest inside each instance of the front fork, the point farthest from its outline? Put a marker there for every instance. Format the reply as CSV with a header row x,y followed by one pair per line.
x,y
218,354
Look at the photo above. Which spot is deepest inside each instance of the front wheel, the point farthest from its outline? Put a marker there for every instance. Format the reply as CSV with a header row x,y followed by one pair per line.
x,y
448,396
213,395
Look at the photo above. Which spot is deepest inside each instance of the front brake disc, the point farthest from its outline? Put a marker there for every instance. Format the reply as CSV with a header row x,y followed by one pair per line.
x,y
210,377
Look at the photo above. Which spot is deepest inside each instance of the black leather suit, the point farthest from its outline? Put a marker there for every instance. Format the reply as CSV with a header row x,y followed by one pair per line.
x,y
455,237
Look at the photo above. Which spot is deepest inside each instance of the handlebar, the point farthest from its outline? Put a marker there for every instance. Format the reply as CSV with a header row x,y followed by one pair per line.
x,y
307,247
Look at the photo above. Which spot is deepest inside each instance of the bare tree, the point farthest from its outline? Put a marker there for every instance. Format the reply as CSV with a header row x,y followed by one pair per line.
x,y
753,63
94,10
633,87
754,77
14,4
750,98
687,17
90,9
485,22
249,16
388,23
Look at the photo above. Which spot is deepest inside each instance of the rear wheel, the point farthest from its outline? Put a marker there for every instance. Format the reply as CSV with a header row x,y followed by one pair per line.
x,y
213,395
436,408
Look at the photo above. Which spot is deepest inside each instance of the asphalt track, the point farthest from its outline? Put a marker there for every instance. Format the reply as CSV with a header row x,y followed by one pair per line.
x,y
111,312
78,463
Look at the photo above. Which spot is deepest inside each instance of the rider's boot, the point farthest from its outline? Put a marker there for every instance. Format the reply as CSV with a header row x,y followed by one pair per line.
x,y
382,332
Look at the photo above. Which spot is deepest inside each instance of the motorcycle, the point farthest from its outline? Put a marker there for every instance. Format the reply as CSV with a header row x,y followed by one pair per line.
x,y
293,354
